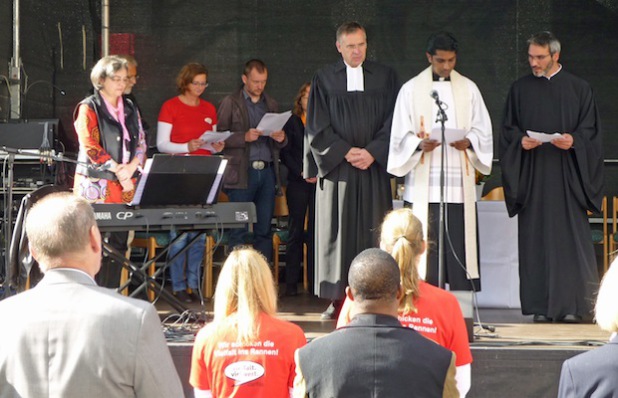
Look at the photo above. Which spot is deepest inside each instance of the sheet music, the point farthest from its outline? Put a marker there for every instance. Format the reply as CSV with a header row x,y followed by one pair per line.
x,y
272,122
450,135
213,136
141,184
543,137
215,185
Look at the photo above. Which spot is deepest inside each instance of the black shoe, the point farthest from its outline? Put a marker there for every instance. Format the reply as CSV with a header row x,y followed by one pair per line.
x,y
195,296
540,318
183,296
330,313
571,318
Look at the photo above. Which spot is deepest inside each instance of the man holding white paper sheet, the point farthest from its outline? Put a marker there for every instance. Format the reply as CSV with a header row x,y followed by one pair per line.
x,y
550,186
273,122
252,173
415,152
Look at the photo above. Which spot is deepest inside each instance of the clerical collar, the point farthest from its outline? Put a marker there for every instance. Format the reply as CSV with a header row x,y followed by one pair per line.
x,y
438,78
356,81
553,74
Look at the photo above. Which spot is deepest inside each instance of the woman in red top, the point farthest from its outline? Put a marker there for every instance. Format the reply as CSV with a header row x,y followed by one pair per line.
x,y
182,121
246,351
431,311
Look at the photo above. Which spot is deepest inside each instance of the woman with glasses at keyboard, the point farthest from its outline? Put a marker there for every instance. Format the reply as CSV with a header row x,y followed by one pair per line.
x,y
182,121
112,147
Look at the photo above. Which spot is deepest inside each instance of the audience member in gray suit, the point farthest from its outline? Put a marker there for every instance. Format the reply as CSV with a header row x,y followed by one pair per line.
x,y
68,337
374,356
593,373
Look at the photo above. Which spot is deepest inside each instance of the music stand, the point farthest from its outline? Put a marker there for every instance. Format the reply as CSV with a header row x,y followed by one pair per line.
x,y
172,180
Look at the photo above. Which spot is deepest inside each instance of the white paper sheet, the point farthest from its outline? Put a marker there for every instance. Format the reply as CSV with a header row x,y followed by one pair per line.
x,y
141,183
543,137
213,136
450,135
215,185
272,122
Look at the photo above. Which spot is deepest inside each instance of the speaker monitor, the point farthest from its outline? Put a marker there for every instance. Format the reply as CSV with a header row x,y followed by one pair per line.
x,y
33,134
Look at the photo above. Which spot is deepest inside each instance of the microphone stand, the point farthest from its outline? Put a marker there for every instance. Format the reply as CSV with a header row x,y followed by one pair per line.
x,y
8,222
43,155
442,118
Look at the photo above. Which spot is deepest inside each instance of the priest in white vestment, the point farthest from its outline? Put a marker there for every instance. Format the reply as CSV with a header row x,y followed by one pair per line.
x,y
415,152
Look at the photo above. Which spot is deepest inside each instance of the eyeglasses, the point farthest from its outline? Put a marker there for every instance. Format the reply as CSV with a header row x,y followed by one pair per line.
x,y
133,77
118,79
200,84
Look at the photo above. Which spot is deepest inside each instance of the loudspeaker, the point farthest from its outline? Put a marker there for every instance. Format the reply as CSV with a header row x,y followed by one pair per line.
x,y
465,299
33,134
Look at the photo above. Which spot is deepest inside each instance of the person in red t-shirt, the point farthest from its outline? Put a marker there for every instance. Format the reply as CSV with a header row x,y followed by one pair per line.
x,y
182,121
246,351
431,311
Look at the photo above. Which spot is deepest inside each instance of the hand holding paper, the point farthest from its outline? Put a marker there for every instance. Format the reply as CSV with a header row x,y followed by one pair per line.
x,y
211,137
272,122
278,135
543,137
450,135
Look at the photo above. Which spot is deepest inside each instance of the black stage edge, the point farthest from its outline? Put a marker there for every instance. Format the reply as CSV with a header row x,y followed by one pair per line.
x,y
517,372
496,372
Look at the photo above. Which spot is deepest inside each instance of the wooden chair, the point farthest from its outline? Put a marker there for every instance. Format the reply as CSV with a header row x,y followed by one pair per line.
x,y
613,242
151,242
213,240
601,236
495,194
281,237
281,234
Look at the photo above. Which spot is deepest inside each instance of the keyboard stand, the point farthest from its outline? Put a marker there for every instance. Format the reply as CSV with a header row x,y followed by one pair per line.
x,y
139,272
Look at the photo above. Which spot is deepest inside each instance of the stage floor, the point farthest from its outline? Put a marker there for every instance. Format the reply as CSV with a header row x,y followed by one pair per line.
x,y
510,326
519,359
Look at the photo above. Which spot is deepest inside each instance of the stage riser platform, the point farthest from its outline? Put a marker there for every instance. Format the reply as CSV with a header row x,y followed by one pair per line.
x,y
496,372
517,372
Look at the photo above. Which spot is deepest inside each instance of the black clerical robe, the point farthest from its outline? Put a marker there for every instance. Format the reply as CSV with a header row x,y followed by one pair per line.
x,y
350,203
550,189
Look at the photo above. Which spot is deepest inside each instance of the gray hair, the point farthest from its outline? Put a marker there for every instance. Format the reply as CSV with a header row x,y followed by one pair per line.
x,y
106,67
57,225
545,39
349,27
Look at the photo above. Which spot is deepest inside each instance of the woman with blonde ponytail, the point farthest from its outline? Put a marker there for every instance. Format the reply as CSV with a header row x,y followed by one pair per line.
x,y
431,311
245,350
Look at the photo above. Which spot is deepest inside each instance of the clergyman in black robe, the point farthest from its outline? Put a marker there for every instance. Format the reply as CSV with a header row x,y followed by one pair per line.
x,y
551,185
345,123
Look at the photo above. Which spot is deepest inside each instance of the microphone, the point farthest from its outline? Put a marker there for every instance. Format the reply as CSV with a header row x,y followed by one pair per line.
x,y
8,149
48,83
441,105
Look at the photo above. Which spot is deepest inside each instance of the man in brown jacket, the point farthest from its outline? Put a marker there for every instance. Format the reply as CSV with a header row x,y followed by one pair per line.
x,y
252,173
